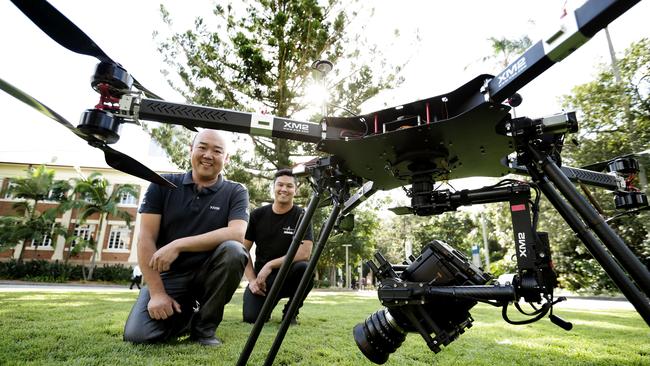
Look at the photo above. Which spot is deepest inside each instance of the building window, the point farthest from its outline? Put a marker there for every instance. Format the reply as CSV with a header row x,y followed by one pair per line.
x,y
56,195
127,198
118,237
9,194
83,232
44,241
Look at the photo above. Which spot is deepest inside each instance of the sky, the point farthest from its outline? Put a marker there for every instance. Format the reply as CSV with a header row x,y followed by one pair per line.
x,y
454,35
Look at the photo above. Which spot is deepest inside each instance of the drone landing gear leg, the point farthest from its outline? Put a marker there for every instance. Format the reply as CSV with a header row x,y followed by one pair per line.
x,y
609,264
612,241
596,249
267,308
300,292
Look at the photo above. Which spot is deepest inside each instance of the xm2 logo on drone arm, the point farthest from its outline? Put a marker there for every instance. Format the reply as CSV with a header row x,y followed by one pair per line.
x,y
511,71
295,126
521,244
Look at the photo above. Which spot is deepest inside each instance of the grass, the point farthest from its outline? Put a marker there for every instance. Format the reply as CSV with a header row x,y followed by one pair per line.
x,y
74,328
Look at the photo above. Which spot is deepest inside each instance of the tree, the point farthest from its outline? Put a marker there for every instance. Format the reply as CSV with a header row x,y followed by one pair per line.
x,y
454,228
504,49
32,224
362,240
95,198
258,56
614,120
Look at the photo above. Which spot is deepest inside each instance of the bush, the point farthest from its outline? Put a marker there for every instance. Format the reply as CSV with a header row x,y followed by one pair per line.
x,y
44,271
324,283
112,273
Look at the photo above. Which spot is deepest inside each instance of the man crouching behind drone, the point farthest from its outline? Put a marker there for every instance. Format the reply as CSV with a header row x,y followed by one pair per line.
x,y
190,249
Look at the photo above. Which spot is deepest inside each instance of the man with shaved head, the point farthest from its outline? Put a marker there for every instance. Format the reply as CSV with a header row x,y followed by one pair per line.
x,y
190,249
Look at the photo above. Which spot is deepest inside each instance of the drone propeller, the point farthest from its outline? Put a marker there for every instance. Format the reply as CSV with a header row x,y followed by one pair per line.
x,y
114,158
67,34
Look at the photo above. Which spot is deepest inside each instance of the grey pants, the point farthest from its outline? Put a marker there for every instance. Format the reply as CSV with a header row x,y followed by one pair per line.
x,y
253,303
211,285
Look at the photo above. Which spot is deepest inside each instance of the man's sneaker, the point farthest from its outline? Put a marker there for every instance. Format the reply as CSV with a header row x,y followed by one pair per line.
x,y
207,341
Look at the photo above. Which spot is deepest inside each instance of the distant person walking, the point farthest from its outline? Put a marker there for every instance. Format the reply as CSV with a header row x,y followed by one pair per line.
x,y
136,278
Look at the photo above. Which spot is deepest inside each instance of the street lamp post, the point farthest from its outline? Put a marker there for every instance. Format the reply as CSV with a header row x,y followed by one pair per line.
x,y
323,67
347,267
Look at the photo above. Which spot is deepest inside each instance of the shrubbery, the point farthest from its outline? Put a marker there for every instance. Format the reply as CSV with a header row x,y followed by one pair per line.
x,y
44,271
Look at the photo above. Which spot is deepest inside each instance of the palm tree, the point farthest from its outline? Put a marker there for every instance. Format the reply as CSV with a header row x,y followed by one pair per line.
x,y
38,186
504,49
95,199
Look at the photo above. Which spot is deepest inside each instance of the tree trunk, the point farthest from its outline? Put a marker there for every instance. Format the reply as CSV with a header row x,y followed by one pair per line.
x,y
96,247
92,265
332,276
31,217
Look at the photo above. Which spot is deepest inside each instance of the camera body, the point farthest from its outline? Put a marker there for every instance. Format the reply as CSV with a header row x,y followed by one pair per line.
x,y
411,307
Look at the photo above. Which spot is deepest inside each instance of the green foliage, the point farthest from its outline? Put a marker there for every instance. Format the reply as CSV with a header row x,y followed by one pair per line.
x,y
31,224
614,117
257,55
362,240
614,120
46,271
96,199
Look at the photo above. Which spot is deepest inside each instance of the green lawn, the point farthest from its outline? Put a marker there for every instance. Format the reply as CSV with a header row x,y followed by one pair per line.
x,y
86,329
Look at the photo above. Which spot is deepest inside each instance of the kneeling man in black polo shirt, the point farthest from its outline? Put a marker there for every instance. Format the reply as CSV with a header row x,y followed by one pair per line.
x,y
189,249
271,228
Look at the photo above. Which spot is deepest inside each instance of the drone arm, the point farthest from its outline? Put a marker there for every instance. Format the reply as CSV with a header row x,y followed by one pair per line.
x,y
224,119
576,29
589,177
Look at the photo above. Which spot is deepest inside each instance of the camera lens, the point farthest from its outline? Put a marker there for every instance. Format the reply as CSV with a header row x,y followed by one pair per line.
x,y
378,336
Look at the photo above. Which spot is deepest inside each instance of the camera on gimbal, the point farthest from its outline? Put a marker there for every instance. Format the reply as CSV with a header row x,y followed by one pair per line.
x,y
432,294
407,306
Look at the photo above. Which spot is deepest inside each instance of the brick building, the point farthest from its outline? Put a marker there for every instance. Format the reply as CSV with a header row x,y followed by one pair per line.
x,y
118,241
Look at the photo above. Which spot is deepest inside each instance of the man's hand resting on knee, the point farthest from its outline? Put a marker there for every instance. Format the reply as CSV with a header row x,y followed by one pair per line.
x,y
162,306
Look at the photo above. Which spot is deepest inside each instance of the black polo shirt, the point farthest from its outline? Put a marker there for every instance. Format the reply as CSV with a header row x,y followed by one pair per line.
x,y
186,211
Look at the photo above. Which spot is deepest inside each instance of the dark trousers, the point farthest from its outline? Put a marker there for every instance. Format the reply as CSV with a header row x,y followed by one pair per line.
x,y
136,280
253,303
211,285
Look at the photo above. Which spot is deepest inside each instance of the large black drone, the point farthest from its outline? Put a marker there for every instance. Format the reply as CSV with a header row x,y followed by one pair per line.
x,y
467,132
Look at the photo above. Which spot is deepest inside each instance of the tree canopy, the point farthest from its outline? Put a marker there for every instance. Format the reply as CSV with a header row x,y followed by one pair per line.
x,y
257,56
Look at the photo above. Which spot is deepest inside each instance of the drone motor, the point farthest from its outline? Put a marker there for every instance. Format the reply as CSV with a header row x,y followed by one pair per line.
x,y
101,124
112,75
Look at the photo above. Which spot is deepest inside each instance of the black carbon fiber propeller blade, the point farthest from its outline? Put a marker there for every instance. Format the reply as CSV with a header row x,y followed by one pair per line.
x,y
30,101
67,34
60,28
114,158
128,165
